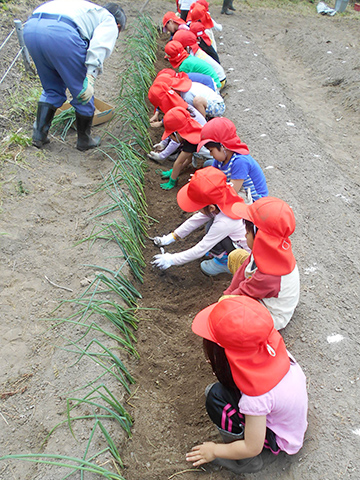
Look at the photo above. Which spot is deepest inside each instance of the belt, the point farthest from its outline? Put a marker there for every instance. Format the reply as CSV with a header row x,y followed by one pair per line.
x,y
54,16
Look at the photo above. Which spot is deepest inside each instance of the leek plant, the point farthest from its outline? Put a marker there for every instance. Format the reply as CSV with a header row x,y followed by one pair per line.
x,y
124,187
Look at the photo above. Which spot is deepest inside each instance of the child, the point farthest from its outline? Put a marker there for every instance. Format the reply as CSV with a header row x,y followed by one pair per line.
x,y
209,103
171,23
179,58
162,96
185,130
270,275
209,193
204,40
199,13
188,40
260,404
232,157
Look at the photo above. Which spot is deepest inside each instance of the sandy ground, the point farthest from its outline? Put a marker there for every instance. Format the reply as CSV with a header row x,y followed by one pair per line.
x,y
294,95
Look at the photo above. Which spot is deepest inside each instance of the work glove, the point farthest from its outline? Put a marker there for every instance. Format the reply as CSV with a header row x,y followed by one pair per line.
x,y
163,261
164,240
156,157
87,92
158,147
169,185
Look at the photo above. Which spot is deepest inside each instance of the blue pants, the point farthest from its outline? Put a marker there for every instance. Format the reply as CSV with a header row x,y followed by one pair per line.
x,y
59,54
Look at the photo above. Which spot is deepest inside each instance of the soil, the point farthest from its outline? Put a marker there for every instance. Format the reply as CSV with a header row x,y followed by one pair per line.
x,y
293,92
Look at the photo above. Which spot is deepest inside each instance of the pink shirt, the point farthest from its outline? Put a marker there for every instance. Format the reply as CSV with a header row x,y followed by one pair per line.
x,y
285,407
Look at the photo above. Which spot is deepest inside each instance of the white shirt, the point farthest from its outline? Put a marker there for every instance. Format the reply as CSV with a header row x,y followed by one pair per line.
x,y
199,90
95,23
222,226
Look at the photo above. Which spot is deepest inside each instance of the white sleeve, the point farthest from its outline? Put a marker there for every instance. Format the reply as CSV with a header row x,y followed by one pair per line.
x,y
101,43
217,232
191,224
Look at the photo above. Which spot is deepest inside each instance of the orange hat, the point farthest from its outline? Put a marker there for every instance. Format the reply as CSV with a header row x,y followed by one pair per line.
x,y
197,13
255,351
187,39
179,120
208,186
175,53
199,30
222,130
171,16
275,221
163,96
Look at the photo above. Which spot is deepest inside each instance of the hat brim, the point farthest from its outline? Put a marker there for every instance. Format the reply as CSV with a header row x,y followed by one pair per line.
x,y
181,84
241,210
200,325
204,142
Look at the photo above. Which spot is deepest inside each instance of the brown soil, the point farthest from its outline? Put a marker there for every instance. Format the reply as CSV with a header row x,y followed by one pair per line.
x,y
294,95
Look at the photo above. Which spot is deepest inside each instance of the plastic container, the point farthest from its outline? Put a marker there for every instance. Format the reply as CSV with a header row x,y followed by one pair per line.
x,y
341,5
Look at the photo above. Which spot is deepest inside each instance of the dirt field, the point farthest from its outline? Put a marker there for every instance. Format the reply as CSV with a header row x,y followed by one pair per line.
x,y
294,95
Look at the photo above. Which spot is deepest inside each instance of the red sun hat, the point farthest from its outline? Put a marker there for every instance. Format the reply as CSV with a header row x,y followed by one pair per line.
x,y
177,80
197,13
222,130
255,351
175,53
163,96
275,221
187,39
171,16
199,30
204,3
206,187
179,120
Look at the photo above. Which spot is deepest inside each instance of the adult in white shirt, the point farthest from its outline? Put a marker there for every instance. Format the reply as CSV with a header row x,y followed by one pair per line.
x,y
69,41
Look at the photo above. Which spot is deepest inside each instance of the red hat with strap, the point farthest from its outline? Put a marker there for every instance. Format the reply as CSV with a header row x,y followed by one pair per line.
x,y
179,120
197,13
163,96
187,39
255,351
206,187
199,30
222,130
275,221
176,53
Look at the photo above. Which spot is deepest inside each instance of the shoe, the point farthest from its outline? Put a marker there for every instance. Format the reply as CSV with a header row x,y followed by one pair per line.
x,y
213,267
84,140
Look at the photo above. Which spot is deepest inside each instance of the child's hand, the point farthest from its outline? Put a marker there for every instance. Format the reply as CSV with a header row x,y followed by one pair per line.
x,y
201,454
163,261
158,147
156,124
164,240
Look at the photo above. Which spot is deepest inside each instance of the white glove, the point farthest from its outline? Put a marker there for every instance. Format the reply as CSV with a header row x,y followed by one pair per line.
x,y
162,260
158,147
88,90
156,157
217,26
164,240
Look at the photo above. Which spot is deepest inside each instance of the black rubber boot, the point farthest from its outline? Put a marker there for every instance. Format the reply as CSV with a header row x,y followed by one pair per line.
x,y
84,140
225,8
44,116
231,6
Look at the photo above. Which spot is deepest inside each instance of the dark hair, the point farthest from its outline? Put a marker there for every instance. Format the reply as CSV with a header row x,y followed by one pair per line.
x,y
118,13
213,145
250,227
219,363
211,214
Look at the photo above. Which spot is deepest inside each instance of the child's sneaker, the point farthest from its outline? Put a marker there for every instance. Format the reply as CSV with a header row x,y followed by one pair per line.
x,y
213,267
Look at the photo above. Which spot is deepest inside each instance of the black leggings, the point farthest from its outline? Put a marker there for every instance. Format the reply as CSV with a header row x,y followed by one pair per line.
x,y
222,407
